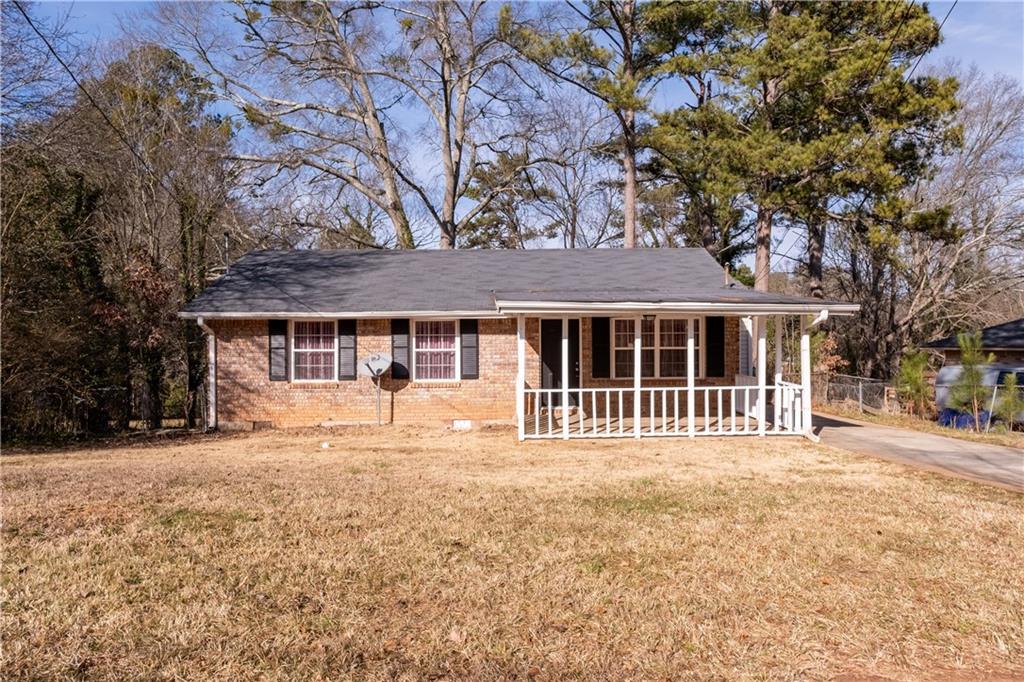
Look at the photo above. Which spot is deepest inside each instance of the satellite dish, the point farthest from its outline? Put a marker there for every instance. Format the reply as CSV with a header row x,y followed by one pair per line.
x,y
374,365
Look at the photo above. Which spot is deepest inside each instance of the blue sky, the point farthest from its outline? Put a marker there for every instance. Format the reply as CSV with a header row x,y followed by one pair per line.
x,y
990,34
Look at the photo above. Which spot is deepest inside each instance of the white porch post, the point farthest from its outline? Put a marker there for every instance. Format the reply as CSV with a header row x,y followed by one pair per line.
x,y
747,345
565,377
762,372
805,374
637,356
777,398
754,323
691,427
521,376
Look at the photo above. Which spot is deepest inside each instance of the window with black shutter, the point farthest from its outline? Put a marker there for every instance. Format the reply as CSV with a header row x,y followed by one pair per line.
x,y
277,333
469,331
346,350
399,349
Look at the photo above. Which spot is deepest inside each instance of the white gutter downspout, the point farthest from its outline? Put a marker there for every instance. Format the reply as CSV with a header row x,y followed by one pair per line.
x,y
808,324
211,380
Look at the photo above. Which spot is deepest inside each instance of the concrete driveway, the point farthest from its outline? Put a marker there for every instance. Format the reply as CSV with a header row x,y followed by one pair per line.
x,y
996,464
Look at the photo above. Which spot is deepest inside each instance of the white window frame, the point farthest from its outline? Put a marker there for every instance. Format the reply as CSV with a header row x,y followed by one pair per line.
x,y
414,355
699,351
292,351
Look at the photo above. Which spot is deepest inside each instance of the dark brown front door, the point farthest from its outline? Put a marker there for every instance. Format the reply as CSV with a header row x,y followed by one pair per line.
x,y
551,358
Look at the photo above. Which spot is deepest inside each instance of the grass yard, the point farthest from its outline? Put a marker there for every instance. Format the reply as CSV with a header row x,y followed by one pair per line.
x,y
407,553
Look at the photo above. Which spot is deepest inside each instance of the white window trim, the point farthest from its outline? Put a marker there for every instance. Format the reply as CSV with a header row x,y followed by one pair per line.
x,y
699,354
458,350
292,351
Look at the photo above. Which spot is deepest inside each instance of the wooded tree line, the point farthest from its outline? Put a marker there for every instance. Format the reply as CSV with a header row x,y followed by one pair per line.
x,y
806,134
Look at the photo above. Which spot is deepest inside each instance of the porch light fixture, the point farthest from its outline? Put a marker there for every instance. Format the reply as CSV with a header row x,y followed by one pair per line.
x,y
649,318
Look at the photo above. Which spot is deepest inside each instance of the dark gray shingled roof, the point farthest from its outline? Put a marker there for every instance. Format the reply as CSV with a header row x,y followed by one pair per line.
x,y
1006,335
349,281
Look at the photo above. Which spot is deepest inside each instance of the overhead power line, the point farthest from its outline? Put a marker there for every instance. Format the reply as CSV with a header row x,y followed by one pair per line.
x,y
92,100
117,131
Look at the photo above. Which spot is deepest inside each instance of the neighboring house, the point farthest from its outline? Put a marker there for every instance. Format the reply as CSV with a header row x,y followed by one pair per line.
x,y
565,343
1005,341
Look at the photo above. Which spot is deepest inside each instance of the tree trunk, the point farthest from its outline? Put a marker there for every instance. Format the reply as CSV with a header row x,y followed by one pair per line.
x,y
195,368
447,240
629,191
815,252
195,227
400,222
763,246
765,213
707,232
629,132
154,377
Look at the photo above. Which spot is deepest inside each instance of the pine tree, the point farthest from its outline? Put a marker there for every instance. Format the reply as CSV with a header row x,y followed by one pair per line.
x,y
911,383
1012,401
969,391
798,104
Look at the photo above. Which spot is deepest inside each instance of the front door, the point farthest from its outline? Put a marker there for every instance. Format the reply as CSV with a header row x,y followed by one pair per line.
x,y
551,358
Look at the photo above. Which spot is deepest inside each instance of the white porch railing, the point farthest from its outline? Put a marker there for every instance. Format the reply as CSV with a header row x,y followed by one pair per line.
x,y
610,412
789,408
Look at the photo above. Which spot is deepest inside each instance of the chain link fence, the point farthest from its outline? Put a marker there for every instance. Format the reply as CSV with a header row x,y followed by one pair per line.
x,y
875,396
872,395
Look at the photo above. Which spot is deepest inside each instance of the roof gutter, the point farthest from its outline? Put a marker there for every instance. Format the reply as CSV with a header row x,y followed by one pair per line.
x,y
822,310
506,308
348,315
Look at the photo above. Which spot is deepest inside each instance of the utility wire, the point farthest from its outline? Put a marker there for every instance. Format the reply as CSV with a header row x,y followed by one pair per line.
x,y
128,144
78,83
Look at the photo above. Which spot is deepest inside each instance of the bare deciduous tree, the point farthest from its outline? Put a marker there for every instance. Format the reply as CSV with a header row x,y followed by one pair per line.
x,y
33,84
915,286
584,198
348,93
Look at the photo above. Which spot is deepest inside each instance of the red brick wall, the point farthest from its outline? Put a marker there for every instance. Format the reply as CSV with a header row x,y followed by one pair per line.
x,y
245,393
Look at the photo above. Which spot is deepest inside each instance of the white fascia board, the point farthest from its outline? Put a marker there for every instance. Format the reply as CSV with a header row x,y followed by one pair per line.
x,y
508,308
570,308
369,314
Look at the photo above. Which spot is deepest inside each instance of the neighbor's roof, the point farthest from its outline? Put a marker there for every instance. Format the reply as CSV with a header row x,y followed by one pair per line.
x,y
477,282
1006,335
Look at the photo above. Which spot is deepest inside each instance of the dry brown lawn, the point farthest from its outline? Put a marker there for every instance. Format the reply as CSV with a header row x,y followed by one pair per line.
x,y
418,554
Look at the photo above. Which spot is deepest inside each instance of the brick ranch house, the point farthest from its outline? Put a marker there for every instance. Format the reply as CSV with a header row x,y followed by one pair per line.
x,y
563,343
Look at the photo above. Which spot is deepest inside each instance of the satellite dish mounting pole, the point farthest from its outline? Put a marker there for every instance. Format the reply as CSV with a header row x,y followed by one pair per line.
x,y
374,367
377,381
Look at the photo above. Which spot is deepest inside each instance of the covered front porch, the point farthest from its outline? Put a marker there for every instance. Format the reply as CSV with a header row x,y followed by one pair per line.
x,y
662,380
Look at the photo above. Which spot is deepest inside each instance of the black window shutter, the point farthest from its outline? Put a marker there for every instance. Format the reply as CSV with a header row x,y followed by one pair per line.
x,y
714,354
399,349
469,330
277,333
600,338
346,350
